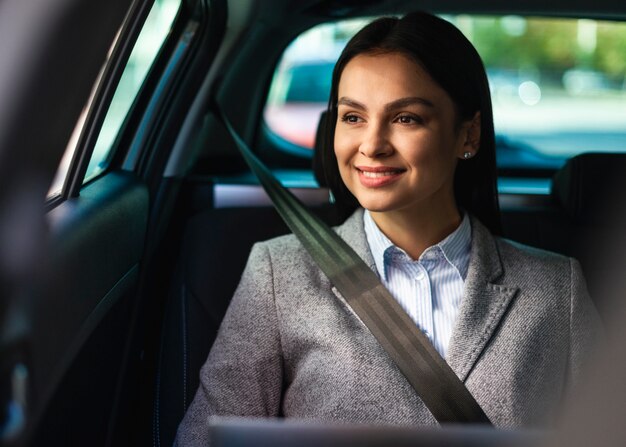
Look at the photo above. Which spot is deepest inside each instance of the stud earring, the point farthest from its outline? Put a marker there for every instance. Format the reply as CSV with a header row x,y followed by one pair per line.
x,y
467,155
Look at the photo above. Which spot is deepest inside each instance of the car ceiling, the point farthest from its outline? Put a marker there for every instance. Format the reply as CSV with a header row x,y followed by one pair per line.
x,y
350,8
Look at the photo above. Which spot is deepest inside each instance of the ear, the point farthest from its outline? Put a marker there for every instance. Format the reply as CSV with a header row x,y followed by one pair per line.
x,y
471,132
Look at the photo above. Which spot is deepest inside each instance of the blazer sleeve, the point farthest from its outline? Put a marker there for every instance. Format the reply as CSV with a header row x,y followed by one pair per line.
x,y
585,324
243,372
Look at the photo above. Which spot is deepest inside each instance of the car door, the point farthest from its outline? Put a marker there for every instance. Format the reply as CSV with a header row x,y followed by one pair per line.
x,y
72,254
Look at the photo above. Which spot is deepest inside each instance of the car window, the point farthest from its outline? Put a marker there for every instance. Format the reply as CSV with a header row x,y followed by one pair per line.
x,y
558,85
152,36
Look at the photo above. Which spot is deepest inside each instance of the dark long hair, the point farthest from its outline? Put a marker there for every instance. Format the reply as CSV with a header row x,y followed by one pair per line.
x,y
453,63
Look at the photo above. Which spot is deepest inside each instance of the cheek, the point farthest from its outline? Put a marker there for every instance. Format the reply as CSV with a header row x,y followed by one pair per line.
x,y
437,146
342,154
341,147
418,150
431,155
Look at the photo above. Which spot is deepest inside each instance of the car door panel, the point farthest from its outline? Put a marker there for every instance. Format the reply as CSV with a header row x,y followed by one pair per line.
x,y
96,241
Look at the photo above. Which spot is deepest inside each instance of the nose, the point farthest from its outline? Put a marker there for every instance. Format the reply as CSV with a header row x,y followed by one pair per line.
x,y
375,142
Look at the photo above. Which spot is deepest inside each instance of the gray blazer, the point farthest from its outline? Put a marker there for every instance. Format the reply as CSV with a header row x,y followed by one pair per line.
x,y
290,346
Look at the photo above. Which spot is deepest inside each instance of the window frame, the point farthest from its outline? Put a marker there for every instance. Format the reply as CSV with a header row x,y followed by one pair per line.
x,y
285,153
105,87
168,68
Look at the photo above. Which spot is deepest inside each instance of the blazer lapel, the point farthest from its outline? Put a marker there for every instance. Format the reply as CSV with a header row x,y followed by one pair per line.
x,y
353,232
484,302
483,305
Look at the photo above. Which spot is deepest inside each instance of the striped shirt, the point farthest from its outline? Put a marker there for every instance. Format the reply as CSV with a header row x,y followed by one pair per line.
x,y
429,289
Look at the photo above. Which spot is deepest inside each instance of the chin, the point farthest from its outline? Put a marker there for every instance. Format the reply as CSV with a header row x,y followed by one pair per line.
x,y
379,201
375,206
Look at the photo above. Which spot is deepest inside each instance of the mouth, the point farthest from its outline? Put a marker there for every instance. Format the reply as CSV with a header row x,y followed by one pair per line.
x,y
369,174
378,175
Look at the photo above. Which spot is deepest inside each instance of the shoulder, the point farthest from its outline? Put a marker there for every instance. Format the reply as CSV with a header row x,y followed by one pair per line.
x,y
518,263
288,248
537,268
517,252
286,261
283,253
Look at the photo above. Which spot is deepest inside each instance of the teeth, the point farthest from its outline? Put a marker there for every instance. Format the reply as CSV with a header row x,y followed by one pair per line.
x,y
378,174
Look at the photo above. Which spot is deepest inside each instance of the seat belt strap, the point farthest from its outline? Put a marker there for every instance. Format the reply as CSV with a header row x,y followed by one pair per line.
x,y
433,379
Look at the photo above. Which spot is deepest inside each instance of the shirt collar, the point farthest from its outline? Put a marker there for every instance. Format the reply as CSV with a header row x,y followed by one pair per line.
x,y
455,247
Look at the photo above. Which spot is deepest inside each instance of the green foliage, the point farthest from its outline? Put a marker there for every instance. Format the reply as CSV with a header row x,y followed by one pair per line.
x,y
541,44
610,56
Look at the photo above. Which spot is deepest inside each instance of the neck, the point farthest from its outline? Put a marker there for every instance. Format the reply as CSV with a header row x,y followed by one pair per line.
x,y
415,230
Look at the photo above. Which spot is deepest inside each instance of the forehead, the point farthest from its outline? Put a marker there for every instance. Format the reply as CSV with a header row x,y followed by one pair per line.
x,y
386,77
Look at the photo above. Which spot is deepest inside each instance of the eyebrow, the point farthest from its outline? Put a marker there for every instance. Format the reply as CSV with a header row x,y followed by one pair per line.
x,y
397,104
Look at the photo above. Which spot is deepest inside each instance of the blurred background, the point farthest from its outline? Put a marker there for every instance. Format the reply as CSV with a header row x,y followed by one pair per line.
x,y
551,99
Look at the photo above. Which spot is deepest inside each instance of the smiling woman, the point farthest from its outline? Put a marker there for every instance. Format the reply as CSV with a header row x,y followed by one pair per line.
x,y
413,144
397,146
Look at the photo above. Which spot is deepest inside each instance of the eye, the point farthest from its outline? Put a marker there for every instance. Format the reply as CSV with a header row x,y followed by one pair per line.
x,y
409,119
351,118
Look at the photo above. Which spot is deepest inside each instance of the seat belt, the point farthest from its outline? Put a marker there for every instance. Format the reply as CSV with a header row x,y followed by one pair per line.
x,y
433,379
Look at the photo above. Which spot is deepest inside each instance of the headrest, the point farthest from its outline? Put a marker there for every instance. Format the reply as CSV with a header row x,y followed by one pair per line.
x,y
590,188
320,136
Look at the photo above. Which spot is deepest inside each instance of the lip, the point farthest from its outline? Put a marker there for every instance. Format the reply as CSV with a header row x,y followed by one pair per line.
x,y
378,176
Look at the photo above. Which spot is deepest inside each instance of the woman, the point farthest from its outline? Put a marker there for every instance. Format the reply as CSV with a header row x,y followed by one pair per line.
x,y
412,142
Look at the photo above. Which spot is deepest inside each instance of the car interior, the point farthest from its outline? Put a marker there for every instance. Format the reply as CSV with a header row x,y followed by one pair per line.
x,y
115,283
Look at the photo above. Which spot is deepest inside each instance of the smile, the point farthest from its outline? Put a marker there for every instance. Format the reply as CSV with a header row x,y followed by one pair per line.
x,y
378,174
374,177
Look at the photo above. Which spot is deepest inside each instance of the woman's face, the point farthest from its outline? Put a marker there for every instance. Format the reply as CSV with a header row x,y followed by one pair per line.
x,y
396,138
